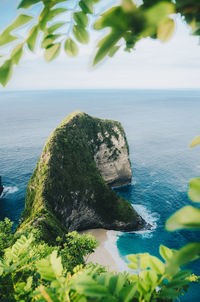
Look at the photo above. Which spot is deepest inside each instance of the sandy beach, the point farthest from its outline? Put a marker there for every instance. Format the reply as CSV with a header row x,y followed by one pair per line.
x,y
101,255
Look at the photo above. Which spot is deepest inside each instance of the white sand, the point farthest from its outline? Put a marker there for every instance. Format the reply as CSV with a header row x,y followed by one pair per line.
x,y
101,255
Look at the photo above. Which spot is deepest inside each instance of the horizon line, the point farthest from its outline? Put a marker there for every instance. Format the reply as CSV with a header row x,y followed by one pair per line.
x,y
99,89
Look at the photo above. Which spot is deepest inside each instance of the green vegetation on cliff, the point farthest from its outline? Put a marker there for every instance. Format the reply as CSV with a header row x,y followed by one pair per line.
x,y
67,191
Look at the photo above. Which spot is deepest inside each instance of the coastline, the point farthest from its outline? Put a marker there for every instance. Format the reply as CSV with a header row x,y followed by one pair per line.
x,y
106,253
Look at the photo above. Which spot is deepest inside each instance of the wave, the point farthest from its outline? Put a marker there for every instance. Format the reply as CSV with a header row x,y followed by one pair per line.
x,y
7,190
111,246
112,236
149,217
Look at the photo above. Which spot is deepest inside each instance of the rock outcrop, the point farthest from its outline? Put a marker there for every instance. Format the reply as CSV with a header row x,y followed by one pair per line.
x,y
1,187
112,157
69,188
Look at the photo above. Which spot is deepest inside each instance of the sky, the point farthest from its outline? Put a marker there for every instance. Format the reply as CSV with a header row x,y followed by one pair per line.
x,y
152,65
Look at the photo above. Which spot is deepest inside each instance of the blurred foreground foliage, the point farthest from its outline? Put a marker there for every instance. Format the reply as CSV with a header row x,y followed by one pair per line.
x,y
65,24
31,270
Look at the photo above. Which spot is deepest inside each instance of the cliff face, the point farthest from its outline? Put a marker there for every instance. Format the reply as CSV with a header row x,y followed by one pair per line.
x,y
68,189
112,158
1,187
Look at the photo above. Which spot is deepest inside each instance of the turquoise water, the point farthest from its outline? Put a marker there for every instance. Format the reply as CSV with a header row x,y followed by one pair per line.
x,y
159,126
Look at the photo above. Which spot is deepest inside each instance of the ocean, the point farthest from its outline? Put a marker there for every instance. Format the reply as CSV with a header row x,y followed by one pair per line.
x,y
159,124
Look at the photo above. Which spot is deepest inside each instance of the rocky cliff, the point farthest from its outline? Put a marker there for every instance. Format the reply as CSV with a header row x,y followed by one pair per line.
x,y
1,187
69,188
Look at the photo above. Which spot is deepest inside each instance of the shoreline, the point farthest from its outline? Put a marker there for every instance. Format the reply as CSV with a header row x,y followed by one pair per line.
x,y
106,253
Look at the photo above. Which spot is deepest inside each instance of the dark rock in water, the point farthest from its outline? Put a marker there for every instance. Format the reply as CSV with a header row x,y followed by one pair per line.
x,y
69,188
1,186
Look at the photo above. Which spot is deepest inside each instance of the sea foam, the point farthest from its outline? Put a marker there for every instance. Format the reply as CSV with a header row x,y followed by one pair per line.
x,y
112,236
7,190
150,218
111,246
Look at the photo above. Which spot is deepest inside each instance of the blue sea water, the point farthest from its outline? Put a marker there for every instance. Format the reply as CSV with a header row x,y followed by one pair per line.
x,y
159,124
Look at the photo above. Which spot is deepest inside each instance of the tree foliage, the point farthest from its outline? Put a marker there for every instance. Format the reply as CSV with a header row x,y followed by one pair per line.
x,y
123,25
32,271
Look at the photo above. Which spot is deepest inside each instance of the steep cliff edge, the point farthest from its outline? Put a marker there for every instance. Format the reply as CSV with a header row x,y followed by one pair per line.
x,y
69,187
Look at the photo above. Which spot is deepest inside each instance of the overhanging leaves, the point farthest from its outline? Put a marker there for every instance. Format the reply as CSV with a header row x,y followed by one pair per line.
x,y
32,37
20,21
52,52
106,45
17,53
27,3
6,72
81,34
186,218
6,37
166,29
71,48
194,189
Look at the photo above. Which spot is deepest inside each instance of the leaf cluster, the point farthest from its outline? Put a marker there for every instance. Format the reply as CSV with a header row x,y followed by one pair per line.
x,y
34,271
74,249
66,24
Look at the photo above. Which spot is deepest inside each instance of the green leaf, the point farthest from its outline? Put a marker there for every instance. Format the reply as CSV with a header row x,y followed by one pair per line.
x,y
71,48
20,21
55,12
29,283
86,6
47,15
120,282
54,27
56,264
150,277
81,19
32,37
165,252
178,283
81,34
27,3
148,261
128,292
134,261
48,40
134,278
114,18
188,253
6,72
186,218
106,45
194,189
45,270
160,11
6,38
168,293
128,6
52,52
114,283
85,285
113,50
17,53
165,29
195,142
